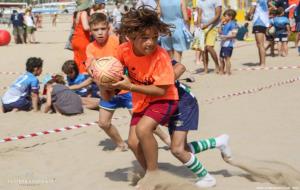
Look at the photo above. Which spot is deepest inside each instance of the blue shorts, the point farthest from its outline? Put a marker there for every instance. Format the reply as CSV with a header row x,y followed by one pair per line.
x,y
118,101
186,117
21,104
226,52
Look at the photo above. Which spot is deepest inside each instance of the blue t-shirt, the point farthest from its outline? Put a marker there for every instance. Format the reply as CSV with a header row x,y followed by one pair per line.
x,y
280,24
17,19
226,30
78,80
261,15
22,87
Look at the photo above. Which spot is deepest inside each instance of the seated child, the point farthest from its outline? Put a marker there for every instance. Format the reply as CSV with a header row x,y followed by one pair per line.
x,y
23,94
60,97
82,85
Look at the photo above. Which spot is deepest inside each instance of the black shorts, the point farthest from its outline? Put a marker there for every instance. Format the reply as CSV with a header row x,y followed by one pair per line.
x,y
226,52
259,29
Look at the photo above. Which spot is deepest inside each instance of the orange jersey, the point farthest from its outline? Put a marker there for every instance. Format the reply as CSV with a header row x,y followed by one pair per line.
x,y
155,69
95,51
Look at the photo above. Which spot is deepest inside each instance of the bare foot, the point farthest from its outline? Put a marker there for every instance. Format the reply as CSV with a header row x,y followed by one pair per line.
x,y
205,70
135,176
15,110
262,65
198,62
122,148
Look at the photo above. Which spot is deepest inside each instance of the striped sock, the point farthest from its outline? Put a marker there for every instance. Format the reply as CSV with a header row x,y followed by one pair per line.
x,y
202,145
196,167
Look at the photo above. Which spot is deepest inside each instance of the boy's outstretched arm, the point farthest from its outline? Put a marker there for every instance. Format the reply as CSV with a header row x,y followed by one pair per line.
x,y
85,83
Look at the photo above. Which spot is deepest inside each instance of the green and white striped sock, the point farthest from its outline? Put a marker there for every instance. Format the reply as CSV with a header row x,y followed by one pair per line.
x,y
202,145
196,167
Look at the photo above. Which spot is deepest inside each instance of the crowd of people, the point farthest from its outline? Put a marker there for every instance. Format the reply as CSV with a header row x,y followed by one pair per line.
x,y
149,40
25,24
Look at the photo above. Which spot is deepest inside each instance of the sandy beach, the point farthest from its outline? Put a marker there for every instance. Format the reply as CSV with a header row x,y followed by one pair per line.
x,y
263,124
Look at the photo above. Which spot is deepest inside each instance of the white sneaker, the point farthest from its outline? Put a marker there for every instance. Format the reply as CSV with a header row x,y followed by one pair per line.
x,y
223,145
206,181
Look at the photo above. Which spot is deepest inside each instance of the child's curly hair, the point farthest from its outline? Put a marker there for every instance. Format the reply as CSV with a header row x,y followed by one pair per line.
x,y
136,21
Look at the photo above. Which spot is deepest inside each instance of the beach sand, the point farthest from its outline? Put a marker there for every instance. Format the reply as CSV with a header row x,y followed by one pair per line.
x,y
262,126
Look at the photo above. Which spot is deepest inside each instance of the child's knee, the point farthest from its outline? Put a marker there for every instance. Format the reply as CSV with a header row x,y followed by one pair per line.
x,y
104,124
132,144
143,132
177,151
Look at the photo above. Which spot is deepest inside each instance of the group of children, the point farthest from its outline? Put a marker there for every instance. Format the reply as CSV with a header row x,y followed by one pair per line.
x,y
227,30
278,32
150,91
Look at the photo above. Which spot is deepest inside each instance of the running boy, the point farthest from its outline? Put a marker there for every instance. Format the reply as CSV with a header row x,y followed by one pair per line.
x,y
106,45
282,31
184,120
155,97
154,94
228,31
23,94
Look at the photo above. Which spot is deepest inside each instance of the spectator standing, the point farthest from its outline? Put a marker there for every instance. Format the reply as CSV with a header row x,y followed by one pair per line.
x,y
177,41
209,17
18,30
260,24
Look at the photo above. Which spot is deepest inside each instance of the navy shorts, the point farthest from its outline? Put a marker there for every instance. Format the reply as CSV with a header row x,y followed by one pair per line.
x,y
21,104
281,38
186,117
118,101
226,52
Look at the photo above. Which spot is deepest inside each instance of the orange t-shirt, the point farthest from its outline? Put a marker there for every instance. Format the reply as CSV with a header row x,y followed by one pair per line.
x,y
155,69
95,51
